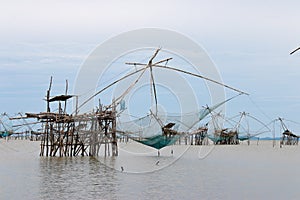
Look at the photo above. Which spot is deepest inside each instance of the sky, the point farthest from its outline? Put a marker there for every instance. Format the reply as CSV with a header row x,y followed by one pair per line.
x,y
249,42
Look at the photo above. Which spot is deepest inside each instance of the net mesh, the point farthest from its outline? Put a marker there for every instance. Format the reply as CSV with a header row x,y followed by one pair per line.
x,y
148,129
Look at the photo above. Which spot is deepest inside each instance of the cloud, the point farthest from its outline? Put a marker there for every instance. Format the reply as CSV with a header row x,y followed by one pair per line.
x,y
248,41
79,19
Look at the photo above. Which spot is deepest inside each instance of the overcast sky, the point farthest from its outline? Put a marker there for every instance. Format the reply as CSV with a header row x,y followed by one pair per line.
x,y
249,41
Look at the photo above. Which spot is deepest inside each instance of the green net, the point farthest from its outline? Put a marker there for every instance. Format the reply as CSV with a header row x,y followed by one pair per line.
x,y
158,141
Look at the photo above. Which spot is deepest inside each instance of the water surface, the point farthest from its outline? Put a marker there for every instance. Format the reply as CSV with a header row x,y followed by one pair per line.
x,y
227,172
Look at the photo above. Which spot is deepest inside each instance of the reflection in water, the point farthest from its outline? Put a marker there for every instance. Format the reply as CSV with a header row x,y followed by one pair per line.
x,y
75,178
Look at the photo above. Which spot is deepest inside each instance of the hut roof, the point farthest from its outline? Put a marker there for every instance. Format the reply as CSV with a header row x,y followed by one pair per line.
x,y
60,98
289,133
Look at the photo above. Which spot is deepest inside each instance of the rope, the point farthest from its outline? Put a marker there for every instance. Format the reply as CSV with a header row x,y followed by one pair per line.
x,y
108,86
130,87
259,108
199,76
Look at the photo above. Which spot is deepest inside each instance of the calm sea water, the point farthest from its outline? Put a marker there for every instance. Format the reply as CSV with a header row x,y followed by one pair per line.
x,y
209,172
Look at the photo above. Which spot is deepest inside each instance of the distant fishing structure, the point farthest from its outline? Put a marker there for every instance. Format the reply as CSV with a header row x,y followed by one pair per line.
x,y
5,130
288,137
241,127
8,130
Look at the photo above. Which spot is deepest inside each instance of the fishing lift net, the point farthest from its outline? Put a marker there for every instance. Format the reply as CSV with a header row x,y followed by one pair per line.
x,y
240,127
157,129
